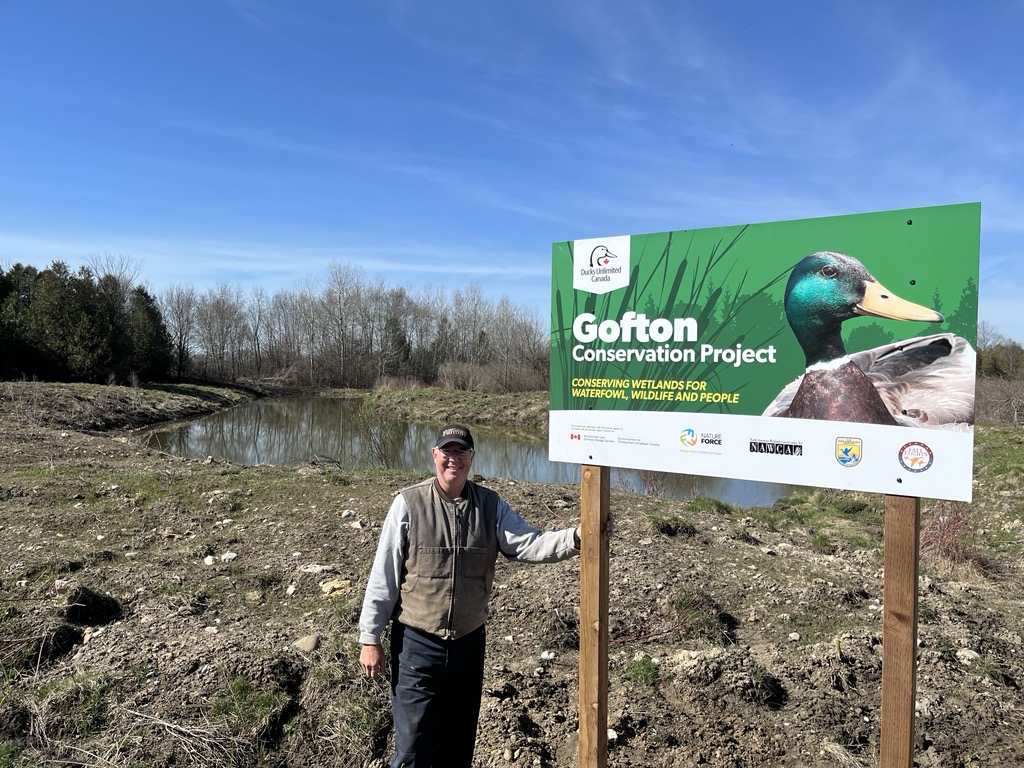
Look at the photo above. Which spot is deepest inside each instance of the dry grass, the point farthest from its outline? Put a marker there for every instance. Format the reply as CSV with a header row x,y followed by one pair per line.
x,y
950,538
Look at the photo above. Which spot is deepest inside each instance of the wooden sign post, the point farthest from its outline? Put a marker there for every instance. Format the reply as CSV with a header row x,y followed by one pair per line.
x,y
899,630
594,509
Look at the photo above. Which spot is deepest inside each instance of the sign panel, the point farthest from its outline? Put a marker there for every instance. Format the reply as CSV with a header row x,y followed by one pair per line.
x,y
834,352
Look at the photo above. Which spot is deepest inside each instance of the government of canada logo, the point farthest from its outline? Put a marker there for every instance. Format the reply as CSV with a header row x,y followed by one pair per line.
x,y
600,264
916,457
849,451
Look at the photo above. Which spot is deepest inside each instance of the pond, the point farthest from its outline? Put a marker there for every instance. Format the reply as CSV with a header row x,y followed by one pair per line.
x,y
298,429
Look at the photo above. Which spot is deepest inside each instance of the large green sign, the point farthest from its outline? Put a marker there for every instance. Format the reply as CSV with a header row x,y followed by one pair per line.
x,y
761,321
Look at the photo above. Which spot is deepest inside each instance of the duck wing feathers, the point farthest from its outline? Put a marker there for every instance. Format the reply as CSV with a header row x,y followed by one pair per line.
x,y
926,381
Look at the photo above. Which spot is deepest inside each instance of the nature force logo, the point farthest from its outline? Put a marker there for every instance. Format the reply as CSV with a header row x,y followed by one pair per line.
x,y
916,457
600,264
849,451
701,442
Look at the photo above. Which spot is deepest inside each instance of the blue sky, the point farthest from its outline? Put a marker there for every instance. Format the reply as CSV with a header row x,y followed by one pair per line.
x,y
449,143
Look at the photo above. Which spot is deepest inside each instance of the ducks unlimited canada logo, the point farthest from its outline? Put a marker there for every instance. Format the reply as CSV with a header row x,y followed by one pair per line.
x,y
600,265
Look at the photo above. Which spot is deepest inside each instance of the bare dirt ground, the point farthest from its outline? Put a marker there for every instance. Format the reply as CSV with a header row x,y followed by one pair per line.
x,y
158,611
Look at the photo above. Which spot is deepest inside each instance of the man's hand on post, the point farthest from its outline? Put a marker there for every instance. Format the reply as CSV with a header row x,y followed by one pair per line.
x,y
609,528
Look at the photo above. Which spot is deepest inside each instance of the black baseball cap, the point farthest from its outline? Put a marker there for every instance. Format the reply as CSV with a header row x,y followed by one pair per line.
x,y
454,433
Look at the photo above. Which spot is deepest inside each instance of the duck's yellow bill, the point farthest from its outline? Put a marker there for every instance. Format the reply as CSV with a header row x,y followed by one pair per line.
x,y
880,302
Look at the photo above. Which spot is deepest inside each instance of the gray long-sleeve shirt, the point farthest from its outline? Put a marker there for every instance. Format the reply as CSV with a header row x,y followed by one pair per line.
x,y
517,540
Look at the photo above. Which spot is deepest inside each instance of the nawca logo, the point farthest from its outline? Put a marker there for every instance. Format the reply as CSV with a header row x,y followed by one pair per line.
x,y
688,438
600,265
849,451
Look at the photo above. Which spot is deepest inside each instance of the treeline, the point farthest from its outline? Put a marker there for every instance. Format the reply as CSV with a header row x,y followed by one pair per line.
x,y
96,325
354,332
59,325
998,356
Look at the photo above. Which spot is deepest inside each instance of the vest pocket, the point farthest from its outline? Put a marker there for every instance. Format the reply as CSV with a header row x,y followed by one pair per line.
x,y
476,561
434,562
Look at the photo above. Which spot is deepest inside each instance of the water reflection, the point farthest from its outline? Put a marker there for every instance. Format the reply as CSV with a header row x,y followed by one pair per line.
x,y
298,429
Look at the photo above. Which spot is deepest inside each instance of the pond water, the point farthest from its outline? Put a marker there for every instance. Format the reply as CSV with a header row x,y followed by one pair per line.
x,y
299,429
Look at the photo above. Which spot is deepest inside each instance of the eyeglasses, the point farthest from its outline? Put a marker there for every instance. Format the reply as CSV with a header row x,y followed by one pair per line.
x,y
453,454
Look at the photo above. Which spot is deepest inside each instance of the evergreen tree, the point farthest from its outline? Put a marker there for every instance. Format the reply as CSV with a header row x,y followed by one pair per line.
x,y
18,355
152,351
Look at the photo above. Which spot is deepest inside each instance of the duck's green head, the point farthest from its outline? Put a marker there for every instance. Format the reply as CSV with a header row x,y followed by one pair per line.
x,y
827,288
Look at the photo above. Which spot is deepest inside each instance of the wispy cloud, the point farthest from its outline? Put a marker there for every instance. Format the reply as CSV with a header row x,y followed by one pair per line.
x,y
211,262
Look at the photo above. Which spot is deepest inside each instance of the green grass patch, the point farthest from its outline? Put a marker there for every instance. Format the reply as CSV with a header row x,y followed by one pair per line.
x,y
822,544
714,506
986,666
247,709
75,707
830,519
357,722
997,451
643,670
9,753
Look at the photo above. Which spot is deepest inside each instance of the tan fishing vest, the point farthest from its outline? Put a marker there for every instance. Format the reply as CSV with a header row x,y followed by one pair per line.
x,y
449,565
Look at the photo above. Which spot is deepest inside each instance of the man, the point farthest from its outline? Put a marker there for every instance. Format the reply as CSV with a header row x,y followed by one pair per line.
x,y
432,578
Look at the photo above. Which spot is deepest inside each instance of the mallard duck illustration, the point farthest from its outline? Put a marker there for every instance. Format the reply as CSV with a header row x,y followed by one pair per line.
x,y
926,381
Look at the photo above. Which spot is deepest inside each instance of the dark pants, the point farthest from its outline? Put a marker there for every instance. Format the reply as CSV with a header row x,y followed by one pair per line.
x,y
436,686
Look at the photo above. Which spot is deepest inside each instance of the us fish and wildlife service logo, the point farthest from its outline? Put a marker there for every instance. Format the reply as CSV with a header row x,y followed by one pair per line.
x,y
600,264
849,451
688,437
916,457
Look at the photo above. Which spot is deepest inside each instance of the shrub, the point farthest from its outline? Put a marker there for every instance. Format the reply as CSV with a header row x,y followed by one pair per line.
x,y
698,616
643,670
949,535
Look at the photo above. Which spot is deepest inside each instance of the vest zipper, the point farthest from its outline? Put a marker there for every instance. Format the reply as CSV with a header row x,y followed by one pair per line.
x,y
455,567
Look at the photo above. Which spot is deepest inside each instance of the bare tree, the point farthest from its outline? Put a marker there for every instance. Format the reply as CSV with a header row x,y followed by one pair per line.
x,y
256,313
471,311
516,341
178,304
283,338
309,323
339,311
988,336
430,327
125,270
220,330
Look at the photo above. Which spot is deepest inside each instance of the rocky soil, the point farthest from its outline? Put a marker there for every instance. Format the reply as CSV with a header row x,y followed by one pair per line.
x,y
158,611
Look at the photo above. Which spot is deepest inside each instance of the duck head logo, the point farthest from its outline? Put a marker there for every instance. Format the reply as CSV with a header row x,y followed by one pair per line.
x,y
601,265
602,256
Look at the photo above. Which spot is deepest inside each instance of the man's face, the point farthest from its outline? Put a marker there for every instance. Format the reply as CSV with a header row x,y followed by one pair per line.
x,y
452,462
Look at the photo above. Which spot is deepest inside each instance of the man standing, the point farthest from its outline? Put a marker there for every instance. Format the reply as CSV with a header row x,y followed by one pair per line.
x,y
432,578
